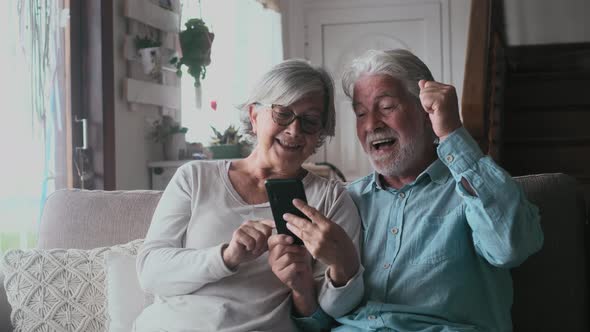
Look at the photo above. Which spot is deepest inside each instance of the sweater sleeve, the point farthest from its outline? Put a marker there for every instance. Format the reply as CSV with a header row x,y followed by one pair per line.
x,y
164,266
505,225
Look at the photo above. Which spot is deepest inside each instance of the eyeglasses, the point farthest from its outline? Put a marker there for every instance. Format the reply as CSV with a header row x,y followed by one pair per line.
x,y
284,116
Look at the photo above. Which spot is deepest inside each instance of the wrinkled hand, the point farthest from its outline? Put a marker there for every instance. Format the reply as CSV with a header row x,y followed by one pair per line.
x,y
248,242
440,102
290,263
326,241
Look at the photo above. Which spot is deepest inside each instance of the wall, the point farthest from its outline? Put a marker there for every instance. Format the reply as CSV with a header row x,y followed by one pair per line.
x,y
294,33
547,21
132,149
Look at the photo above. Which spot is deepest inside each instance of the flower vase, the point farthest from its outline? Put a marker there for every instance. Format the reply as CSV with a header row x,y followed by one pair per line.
x,y
175,147
198,96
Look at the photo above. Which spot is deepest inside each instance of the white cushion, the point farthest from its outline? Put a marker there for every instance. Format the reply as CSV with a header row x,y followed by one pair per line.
x,y
125,298
58,289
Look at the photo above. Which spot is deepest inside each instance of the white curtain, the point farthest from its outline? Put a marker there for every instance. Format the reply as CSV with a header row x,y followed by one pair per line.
x,y
30,60
248,42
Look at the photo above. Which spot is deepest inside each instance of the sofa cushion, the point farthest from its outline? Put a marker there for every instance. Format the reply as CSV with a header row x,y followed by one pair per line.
x,y
125,298
85,219
58,289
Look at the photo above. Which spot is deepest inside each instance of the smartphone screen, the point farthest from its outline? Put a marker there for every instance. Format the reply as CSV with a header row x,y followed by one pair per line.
x,y
281,193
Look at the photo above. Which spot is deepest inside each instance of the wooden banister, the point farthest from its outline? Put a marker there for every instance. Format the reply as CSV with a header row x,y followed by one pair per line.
x,y
482,103
473,103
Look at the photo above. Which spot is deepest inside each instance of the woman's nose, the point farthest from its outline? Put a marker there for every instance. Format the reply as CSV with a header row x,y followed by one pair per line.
x,y
294,128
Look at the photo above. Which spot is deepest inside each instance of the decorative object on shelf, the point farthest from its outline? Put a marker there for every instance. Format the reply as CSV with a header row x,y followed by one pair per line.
x,y
166,4
228,144
195,43
172,135
149,53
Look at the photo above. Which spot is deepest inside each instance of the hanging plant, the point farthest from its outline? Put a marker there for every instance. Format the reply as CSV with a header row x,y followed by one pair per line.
x,y
195,42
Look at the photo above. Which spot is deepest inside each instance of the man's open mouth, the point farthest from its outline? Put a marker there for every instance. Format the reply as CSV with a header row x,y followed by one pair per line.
x,y
383,143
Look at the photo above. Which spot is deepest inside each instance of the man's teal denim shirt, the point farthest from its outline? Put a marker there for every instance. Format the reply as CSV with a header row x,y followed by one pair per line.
x,y
437,258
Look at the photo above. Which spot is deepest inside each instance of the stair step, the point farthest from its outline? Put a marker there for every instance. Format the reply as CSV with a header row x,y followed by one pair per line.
x,y
553,92
532,122
529,159
575,56
547,141
560,75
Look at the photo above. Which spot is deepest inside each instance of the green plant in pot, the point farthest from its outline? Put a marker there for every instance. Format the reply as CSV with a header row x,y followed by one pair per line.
x,y
195,42
148,50
228,144
172,135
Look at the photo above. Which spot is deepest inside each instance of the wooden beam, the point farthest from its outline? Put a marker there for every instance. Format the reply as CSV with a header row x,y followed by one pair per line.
x,y
473,103
152,15
152,94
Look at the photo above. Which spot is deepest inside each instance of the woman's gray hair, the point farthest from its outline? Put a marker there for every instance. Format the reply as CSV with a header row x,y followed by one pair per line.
x,y
285,84
399,64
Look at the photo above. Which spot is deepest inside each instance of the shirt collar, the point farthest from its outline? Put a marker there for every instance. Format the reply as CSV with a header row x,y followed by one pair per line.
x,y
437,171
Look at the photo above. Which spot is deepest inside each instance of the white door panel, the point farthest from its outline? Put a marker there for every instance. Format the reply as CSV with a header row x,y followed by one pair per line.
x,y
337,35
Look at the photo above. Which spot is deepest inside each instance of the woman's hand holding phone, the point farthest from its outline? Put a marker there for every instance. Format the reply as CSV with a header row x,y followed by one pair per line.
x,y
326,241
248,242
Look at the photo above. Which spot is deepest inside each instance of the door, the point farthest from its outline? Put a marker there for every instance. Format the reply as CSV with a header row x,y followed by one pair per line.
x,y
337,33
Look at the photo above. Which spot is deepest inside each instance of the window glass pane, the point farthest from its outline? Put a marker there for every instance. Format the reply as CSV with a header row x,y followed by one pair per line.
x,y
248,42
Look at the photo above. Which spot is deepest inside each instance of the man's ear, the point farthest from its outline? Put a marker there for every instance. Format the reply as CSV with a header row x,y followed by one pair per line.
x,y
253,114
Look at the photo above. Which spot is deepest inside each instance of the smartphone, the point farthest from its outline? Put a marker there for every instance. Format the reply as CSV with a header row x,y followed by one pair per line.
x,y
281,193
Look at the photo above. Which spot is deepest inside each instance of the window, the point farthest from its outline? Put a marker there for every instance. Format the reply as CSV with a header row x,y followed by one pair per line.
x,y
30,126
248,42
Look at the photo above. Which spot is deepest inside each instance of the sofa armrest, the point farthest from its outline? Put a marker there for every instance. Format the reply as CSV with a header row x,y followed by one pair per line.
x,y
4,307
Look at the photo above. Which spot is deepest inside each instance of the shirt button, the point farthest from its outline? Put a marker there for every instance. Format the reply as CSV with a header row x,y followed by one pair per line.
x,y
402,195
394,230
371,317
450,158
386,266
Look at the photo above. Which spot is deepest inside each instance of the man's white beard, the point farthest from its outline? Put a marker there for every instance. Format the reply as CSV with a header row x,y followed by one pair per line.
x,y
400,162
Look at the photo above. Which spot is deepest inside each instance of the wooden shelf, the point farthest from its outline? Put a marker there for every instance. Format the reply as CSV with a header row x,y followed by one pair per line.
x,y
142,92
152,15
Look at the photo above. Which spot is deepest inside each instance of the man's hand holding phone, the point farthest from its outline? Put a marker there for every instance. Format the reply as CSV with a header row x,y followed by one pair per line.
x,y
248,242
326,241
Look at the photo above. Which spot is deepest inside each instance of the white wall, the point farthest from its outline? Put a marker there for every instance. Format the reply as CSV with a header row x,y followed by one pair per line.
x,y
547,21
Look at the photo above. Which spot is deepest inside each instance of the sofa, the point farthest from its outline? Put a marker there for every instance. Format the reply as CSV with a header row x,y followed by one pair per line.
x,y
550,288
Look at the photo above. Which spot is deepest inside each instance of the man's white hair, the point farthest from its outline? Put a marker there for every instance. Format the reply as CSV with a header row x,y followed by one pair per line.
x,y
400,64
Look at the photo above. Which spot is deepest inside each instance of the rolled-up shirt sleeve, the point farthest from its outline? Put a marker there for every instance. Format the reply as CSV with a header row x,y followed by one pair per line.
x,y
505,225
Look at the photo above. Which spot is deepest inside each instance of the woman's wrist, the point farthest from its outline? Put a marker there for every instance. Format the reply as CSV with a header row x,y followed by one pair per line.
x,y
228,260
304,303
341,274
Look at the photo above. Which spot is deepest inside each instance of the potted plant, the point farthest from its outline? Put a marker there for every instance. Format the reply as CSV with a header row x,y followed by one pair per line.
x,y
148,50
195,43
172,135
226,145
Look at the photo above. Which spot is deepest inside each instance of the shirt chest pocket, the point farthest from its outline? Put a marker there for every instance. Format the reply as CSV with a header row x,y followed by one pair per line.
x,y
438,239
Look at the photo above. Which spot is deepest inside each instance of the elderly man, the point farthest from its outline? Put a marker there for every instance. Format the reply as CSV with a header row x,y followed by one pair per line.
x,y
442,222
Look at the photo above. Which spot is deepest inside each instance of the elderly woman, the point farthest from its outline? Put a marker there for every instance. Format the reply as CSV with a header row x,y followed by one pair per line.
x,y
206,255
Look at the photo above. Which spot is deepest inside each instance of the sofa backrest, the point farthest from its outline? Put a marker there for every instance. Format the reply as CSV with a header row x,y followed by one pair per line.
x,y
86,219
551,287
